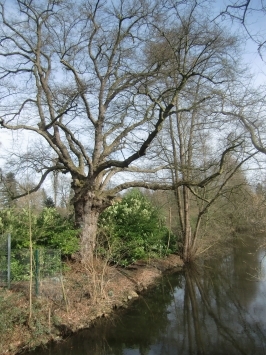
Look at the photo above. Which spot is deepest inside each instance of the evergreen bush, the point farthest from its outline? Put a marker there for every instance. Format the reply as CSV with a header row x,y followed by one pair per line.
x,y
133,229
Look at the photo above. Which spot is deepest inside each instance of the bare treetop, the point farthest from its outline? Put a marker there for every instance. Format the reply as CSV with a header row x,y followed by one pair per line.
x,y
97,80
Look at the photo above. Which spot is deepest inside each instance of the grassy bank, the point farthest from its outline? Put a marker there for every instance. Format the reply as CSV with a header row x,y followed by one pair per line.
x,y
86,293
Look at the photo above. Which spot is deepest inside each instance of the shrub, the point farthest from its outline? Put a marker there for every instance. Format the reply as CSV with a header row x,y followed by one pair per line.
x,y
133,229
55,231
49,229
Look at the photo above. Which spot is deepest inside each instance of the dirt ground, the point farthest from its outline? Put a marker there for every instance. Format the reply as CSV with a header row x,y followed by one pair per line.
x,y
85,294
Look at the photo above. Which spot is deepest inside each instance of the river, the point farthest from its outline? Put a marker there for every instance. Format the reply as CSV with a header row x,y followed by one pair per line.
x,y
217,306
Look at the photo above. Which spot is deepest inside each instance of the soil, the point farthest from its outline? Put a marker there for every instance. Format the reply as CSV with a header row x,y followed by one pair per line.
x,y
86,293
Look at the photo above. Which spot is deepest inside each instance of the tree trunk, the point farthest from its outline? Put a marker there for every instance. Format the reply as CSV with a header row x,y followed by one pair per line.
x,y
87,210
187,237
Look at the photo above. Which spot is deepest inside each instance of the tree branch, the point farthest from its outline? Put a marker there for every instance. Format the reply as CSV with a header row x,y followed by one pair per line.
x,y
36,188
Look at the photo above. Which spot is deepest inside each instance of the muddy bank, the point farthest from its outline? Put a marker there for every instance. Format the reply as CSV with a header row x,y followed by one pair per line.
x,y
87,293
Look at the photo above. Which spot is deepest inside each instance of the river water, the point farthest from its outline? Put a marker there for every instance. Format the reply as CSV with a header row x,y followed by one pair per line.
x,y
215,307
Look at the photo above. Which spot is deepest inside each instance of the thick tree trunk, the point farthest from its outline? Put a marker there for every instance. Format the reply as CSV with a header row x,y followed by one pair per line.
x,y
87,210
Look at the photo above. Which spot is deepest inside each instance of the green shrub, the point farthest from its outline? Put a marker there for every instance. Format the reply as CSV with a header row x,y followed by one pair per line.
x,y
49,229
20,268
55,231
133,229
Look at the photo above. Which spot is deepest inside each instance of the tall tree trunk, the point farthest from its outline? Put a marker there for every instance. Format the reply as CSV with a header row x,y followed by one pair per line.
x,y
187,235
182,194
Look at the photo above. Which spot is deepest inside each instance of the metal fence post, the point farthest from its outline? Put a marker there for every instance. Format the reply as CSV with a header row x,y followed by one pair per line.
x,y
8,260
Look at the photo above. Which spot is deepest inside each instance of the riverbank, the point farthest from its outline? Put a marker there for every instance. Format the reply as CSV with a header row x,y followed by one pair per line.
x,y
86,293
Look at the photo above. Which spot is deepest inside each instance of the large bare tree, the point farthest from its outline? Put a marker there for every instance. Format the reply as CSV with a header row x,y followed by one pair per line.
x,y
90,79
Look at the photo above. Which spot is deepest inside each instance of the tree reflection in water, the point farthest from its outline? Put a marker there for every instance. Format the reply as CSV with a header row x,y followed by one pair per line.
x,y
216,322
219,302
207,309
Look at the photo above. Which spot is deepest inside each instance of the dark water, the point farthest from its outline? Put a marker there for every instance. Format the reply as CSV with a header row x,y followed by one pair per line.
x,y
218,307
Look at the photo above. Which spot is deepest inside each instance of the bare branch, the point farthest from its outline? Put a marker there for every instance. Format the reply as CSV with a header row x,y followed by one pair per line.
x,y
37,187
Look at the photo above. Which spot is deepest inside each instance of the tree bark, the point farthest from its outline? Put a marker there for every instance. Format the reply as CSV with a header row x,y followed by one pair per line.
x,y
187,236
87,211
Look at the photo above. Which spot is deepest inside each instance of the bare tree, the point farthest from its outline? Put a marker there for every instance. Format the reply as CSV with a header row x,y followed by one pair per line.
x,y
194,154
87,79
199,140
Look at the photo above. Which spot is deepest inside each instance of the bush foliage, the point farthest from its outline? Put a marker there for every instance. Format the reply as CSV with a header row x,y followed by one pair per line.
x,y
129,230
133,229
49,229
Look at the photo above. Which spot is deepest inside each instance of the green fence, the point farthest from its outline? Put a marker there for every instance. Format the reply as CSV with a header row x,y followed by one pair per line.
x,y
15,268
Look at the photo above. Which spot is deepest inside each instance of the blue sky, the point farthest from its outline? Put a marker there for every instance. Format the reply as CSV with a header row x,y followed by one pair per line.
x,y
256,24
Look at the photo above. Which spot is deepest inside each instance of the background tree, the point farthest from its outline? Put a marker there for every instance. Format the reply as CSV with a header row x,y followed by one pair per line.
x,y
8,189
49,202
194,155
189,146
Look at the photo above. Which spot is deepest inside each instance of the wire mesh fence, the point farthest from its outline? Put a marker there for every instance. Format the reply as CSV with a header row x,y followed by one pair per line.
x,y
40,266
5,260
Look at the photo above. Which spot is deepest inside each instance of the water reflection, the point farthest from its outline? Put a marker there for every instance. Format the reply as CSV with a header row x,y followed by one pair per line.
x,y
214,308
215,320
